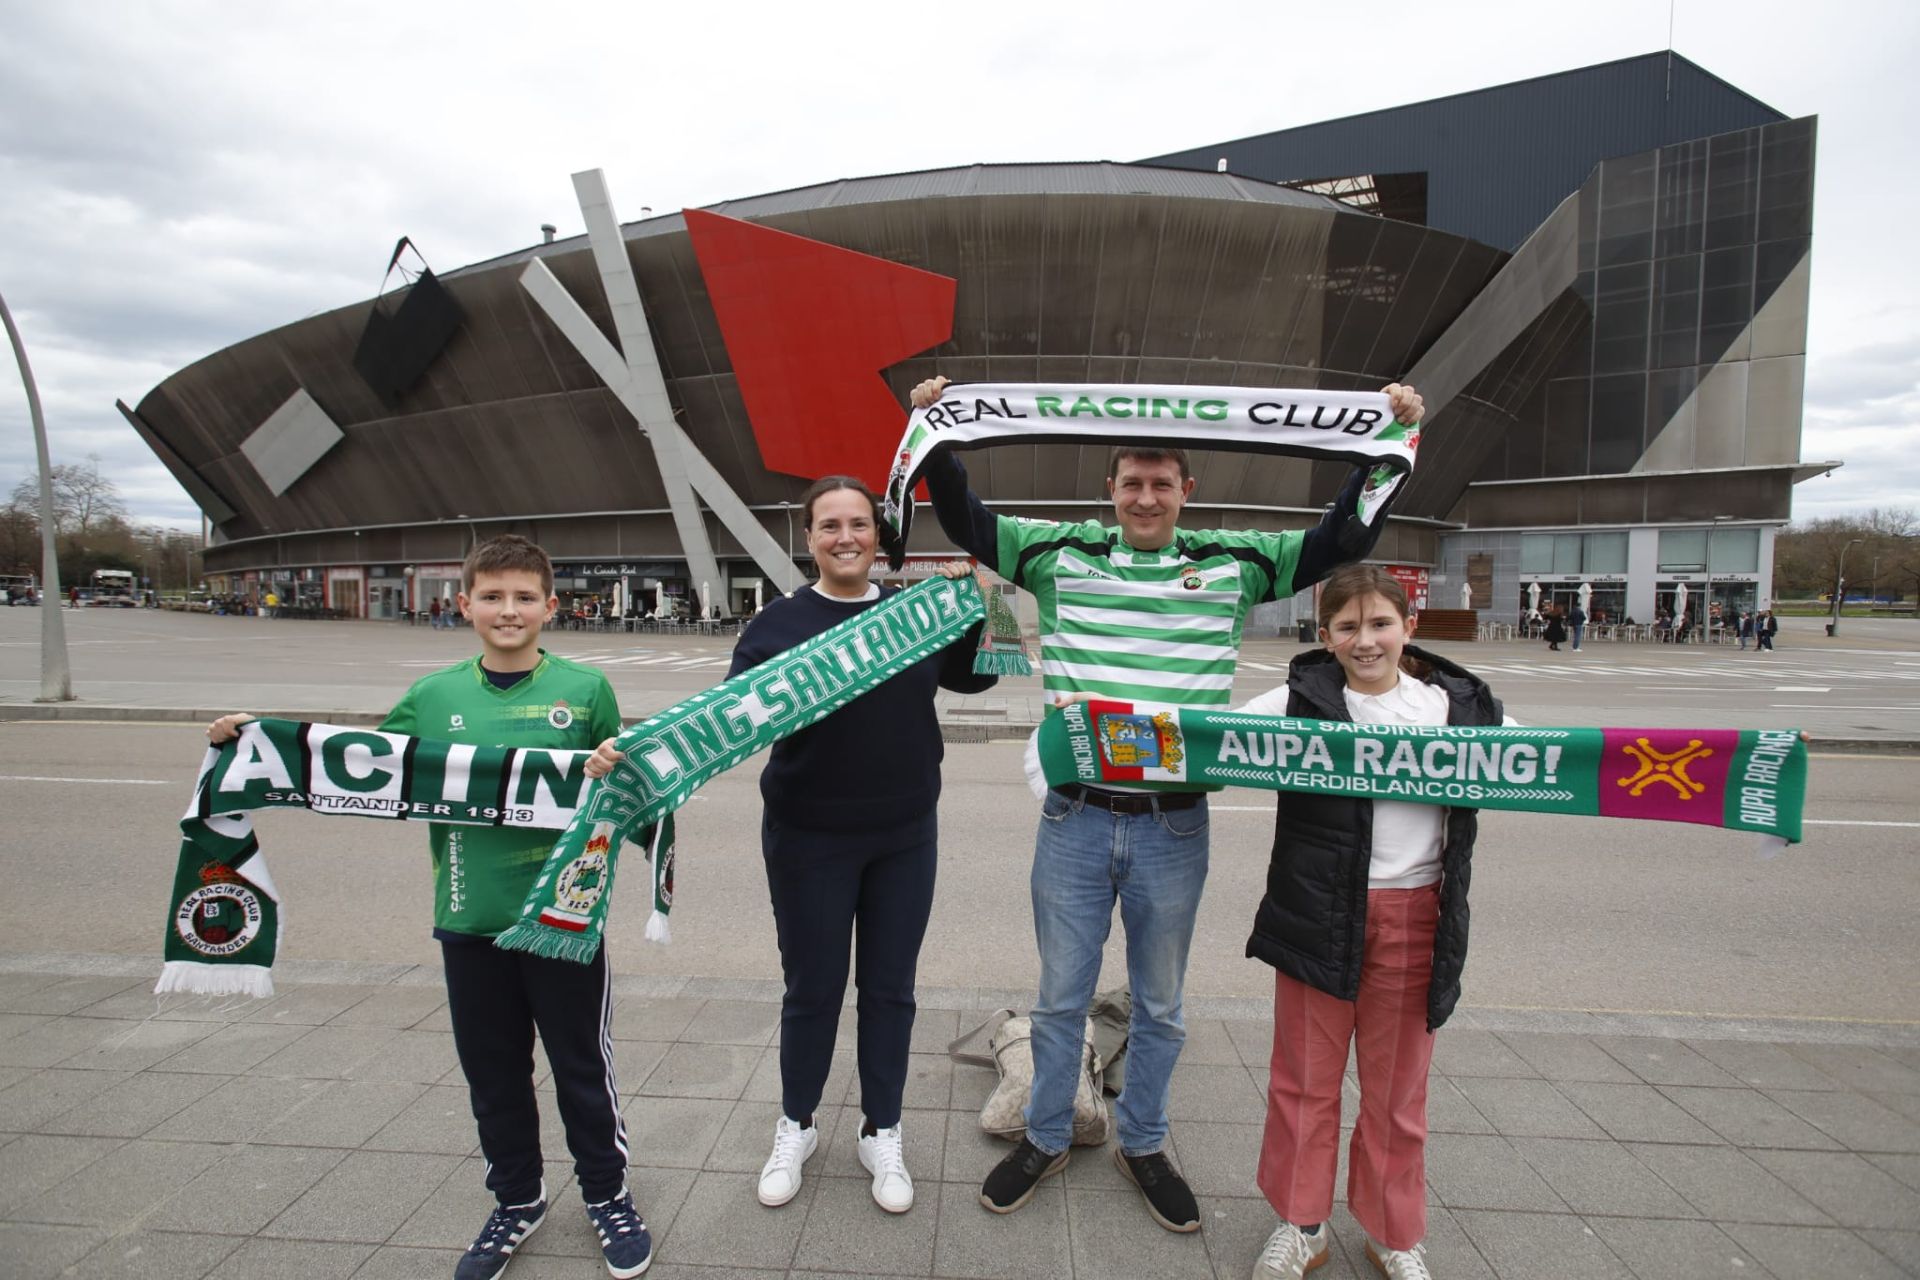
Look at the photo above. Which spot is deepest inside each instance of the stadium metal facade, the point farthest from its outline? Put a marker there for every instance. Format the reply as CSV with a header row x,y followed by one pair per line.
x,y
1598,280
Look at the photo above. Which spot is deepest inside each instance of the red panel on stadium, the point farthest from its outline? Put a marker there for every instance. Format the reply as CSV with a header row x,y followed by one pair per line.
x,y
809,327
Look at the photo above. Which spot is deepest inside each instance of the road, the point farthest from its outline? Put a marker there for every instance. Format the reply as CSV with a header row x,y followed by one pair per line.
x,y
1864,683
1590,914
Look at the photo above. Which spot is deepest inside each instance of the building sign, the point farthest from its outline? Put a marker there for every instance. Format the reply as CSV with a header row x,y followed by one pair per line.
x,y
1413,581
1480,579
639,569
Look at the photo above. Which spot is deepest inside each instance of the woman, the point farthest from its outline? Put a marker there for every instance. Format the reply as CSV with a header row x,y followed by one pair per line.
x,y
1556,627
1365,921
849,835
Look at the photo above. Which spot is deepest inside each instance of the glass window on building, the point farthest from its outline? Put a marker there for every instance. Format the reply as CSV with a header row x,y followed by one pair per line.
x,y
1536,553
1566,553
1683,550
1606,553
1734,551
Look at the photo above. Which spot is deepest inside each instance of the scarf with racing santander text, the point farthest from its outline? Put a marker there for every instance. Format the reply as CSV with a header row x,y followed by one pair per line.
x,y
223,927
223,931
1744,780
224,921
1340,426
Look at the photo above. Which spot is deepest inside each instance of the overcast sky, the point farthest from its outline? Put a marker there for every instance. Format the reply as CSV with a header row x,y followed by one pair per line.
x,y
175,177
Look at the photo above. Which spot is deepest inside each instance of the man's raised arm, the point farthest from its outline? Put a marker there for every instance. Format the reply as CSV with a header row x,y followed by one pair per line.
x,y
966,520
1342,537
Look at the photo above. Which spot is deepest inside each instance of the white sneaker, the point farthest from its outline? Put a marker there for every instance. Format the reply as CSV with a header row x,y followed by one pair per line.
x,y
780,1175
880,1156
1290,1253
1400,1264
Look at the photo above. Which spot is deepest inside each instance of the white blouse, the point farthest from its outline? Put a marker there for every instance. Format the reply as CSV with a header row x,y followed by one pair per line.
x,y
1406,837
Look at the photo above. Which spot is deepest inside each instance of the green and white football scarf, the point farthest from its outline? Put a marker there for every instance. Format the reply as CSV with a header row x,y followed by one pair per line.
x,y
223,924
1744,780
1340,426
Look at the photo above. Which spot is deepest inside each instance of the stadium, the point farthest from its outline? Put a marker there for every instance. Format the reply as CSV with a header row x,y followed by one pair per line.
x,y
1598,280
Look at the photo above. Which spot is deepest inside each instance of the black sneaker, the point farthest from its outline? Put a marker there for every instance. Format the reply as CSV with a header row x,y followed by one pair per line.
x,y
1169,1198
493,1248
624,1240
1014,1180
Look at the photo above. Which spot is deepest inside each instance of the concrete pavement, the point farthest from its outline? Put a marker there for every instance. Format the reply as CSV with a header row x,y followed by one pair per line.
x,y
1578,1130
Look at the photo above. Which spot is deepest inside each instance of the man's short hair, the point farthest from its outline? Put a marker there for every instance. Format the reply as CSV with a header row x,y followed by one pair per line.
x,y
508,553
1143,453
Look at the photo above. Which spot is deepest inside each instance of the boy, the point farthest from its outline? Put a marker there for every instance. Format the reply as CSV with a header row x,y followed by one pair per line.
x,y
516,694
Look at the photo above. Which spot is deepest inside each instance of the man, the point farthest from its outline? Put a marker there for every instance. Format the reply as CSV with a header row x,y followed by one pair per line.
x,y
1138,610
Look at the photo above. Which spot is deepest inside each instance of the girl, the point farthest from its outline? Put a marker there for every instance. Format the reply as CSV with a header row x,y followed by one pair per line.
x,y
849,836
1365,918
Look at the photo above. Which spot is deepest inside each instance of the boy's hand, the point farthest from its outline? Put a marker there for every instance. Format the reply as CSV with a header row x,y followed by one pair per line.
x,y
956,569
928,392
227,728
604,757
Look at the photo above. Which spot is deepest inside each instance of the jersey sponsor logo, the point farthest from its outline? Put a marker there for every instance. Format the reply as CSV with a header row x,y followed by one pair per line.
x,y
456,722
222,917
1190,577
561,715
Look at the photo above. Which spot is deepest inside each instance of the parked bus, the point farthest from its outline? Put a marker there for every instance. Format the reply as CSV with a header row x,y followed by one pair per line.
x,y
114,587
19,588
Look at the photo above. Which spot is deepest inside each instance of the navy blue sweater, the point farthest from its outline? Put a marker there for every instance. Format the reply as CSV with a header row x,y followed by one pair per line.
x,y
876,761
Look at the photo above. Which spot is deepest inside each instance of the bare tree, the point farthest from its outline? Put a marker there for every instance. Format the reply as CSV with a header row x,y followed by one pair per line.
x,y
84,500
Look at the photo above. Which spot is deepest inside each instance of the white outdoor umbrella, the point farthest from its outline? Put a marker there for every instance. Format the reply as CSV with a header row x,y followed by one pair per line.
x,y
1466,595
1679,603
1533,598
1586,597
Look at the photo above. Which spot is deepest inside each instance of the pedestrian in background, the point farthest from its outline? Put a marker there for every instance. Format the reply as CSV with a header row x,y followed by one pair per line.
x,y
1556,628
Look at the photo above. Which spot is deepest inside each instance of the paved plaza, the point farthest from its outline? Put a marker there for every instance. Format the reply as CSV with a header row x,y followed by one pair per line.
x,y
1673,1058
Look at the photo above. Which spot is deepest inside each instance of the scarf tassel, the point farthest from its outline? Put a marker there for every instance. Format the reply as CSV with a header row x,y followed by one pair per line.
x,y
198,979
1002,652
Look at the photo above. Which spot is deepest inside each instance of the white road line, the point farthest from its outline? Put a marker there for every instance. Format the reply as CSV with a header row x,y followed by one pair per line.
x,y
124,782
1803,688
1848,822
1837,706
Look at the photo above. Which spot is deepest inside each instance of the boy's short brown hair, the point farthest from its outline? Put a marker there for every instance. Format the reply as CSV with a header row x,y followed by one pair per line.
x,y
508,553
1145,453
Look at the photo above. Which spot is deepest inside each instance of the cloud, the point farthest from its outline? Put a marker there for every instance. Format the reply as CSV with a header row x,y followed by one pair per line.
x,y
184,174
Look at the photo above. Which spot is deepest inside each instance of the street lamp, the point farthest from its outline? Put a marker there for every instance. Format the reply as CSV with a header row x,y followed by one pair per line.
x,y
56,678
1840,585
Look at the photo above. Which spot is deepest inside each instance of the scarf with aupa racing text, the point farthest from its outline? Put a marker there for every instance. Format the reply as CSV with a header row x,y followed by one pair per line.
x,y
223,928
1743,780
1341,426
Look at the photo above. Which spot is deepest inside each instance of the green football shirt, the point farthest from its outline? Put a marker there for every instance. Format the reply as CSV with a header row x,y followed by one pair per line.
x,y
481,875
1156,626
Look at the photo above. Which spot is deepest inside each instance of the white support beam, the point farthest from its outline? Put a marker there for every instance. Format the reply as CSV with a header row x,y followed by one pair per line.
x,y
580,330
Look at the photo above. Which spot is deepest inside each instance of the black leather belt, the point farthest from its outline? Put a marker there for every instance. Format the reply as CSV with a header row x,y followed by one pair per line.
x,y
1130,801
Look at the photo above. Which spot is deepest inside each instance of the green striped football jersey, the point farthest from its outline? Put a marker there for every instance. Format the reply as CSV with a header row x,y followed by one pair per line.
x,y
1155,626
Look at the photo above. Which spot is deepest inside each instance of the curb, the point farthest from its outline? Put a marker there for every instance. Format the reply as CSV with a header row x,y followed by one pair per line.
x,y
972,729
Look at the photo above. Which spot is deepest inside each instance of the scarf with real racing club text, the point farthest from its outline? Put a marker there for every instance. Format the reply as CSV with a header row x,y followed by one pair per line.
x,y
223,927
1740,779
1340,426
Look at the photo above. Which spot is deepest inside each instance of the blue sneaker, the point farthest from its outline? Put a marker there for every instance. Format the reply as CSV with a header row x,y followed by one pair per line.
x,y
493,1248
624,1240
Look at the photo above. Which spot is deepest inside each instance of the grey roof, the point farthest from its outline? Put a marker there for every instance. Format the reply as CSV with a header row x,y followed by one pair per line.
x,y
1098,178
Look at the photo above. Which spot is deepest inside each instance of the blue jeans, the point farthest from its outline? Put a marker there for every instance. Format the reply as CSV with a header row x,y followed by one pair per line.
x,y
1156,865
1578,627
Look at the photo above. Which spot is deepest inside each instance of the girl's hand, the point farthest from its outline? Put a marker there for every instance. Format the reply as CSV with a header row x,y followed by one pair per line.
x,y
604,757
956,569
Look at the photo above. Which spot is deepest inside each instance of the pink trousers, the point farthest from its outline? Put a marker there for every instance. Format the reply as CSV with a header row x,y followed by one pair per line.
x,y
1386,1165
